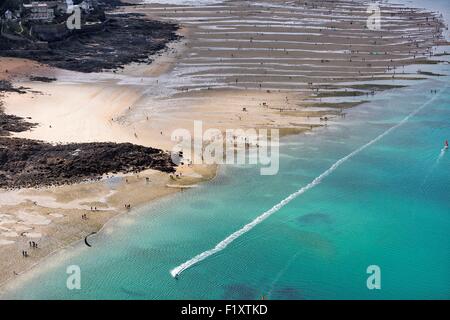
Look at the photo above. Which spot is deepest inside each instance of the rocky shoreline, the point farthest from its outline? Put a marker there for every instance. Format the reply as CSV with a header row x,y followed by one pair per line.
x,y
11,123
121,39
26,163
109,47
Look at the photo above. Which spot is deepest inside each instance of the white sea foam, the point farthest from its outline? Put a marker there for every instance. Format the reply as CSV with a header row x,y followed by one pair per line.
x,y
183,2
228,240
436,163
441,155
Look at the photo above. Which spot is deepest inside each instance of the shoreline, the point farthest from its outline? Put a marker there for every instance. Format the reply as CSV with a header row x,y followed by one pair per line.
x,y
223,119
72,245
64,205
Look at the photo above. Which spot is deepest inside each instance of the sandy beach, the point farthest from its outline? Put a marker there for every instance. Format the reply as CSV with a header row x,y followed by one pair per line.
x,y
74,112
239,65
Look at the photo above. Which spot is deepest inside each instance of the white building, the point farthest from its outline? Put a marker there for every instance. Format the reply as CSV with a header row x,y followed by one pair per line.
x,y
38,11
86,6
64,5
8,15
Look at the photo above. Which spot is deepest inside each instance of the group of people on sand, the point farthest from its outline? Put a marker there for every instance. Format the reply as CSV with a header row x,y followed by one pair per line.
x,y
84,216
176,175
127,206
33,245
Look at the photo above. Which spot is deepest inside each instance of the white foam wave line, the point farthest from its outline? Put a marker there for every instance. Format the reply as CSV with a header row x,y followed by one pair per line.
x,y
441,155
263,33
298,10
228,240
300,81
195,56
211,48
245,72
436,163
222,40
306,22
269,66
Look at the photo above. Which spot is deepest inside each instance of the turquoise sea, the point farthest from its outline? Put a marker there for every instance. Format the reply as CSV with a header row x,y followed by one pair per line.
x,y
388,205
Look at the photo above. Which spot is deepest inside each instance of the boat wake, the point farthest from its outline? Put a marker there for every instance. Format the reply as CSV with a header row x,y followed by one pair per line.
x,y
228,240
436,163
441,155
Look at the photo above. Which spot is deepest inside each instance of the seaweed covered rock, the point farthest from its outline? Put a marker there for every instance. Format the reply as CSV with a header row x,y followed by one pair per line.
x,y
30,163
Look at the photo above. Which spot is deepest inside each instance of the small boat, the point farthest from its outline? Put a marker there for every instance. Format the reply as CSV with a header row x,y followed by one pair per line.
x,y
446,145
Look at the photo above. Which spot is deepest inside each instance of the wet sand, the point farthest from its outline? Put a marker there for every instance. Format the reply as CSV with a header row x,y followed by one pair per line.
x,y
273,58
74,109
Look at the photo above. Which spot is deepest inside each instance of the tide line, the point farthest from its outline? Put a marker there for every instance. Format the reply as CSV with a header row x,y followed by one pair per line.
x,y
228,240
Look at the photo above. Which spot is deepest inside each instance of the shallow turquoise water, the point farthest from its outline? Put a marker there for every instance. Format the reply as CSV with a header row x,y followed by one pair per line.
x,y
388,206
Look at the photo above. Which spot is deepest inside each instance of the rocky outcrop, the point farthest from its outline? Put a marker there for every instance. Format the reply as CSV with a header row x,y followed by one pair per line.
x,y
10,123
120,40
29,163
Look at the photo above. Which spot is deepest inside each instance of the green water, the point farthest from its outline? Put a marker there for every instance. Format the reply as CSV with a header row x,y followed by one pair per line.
x,y
387,206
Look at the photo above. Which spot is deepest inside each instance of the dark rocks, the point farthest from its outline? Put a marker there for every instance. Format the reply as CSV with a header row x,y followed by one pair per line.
x,y
30,163
120,40
10,123
42,79
6,86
